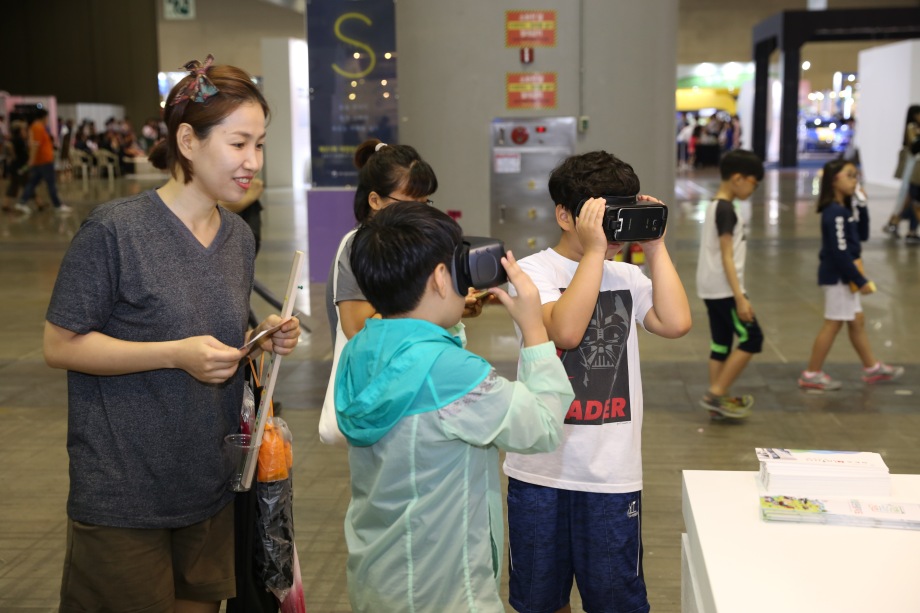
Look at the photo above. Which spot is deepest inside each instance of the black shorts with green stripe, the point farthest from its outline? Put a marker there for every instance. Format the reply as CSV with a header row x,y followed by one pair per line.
x,y
724,326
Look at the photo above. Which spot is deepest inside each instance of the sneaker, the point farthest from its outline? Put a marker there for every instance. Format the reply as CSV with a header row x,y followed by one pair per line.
x,y
912,239
727,407
23,208
882,372
891,229
818,381
63,209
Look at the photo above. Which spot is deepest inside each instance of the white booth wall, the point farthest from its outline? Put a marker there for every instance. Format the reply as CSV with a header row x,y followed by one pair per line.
x,y
452,67
889,79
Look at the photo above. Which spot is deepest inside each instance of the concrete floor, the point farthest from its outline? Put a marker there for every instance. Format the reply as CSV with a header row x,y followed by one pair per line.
x,y
781,273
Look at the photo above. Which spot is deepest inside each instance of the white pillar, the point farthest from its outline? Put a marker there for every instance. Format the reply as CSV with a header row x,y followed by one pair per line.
x,y
285,74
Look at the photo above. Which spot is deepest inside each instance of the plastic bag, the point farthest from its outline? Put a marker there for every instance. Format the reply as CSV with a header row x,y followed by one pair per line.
x,y
248,410
251,594
275,551
275,519
294,602
276,563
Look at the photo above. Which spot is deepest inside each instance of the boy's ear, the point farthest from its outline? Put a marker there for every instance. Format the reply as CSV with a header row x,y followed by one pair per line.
x,y
441,280
564,218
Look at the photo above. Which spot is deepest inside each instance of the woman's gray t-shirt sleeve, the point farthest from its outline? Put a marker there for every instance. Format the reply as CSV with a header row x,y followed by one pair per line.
x,y
331,313
347,286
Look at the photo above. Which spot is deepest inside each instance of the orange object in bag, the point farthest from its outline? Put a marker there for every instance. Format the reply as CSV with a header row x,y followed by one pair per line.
x,y
275,457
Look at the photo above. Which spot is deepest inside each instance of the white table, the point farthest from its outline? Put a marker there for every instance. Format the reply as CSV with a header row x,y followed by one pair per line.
x,y
734,562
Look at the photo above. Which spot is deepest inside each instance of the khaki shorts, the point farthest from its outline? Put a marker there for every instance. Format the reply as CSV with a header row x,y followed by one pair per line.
x,y
136,570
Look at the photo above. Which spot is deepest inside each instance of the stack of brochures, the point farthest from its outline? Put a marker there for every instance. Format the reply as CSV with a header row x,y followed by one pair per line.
x,y
842,511
822,474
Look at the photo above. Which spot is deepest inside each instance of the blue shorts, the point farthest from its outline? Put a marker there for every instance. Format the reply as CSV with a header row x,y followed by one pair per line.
x,y
559,535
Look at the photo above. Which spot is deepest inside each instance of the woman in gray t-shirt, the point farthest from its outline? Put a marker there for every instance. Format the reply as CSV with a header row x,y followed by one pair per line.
x,y
147,314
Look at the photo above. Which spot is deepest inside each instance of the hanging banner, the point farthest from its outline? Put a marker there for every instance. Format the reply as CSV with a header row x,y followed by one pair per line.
x,y
530,90
530,28
352,83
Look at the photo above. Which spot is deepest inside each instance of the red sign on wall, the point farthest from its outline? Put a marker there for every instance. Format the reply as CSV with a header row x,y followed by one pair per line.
x,y
530,28
530,90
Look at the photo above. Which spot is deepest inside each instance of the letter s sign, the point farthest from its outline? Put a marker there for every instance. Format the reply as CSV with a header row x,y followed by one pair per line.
x,y
356,43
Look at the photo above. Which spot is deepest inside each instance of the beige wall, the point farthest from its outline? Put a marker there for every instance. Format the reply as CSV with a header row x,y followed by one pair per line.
x,y
720,31
85,53
452,69
230,30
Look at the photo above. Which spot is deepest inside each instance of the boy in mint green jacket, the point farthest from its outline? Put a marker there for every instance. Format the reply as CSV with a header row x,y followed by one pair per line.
x,y
425,420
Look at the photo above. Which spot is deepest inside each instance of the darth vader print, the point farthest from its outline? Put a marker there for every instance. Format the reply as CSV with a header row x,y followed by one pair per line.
x,y
598,368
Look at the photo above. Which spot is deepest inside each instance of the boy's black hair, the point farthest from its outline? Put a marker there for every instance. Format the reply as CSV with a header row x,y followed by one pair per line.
x,y
396,250
743,162
590,175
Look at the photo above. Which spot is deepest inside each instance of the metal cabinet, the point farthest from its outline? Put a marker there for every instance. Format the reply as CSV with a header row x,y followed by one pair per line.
x,y
523,153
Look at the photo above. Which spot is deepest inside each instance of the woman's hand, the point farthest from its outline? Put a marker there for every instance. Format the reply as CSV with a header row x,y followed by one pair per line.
x,y
207,359
203,357
283,340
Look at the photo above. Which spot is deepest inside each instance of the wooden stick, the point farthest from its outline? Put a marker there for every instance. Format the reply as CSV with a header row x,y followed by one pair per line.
x,y
269,382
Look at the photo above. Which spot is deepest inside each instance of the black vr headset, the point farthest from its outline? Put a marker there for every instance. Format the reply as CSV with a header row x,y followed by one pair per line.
x,y
478,263
626,219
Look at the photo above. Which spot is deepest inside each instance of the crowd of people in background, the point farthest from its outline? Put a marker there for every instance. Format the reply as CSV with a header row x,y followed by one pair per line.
x,y
118,137
17,145
718,134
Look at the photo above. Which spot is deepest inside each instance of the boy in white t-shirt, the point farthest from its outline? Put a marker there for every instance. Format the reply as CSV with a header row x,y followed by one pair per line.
x,y
720,283
575,512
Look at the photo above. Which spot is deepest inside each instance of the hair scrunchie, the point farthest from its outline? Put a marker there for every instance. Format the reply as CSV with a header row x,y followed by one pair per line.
x,y
200,87
379,147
